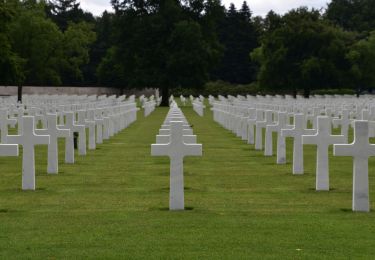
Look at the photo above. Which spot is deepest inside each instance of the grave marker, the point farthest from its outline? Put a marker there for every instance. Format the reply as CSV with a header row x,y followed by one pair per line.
x,y
28,139
176,150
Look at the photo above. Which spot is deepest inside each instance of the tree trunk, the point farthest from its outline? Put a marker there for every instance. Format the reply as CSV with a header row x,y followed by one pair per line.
x,y
19,96
295,93
306,93
165,95
358,91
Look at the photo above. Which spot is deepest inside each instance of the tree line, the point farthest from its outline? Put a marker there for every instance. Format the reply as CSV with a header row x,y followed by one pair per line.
x,y
167,44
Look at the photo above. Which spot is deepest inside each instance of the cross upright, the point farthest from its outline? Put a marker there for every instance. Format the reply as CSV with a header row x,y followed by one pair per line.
x,y
28,139
176,150
360,150
281,146
4,122
259,129
296,132
54,132
322,139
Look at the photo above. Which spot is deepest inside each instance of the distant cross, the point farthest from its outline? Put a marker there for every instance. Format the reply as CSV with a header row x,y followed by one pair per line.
x,y
244,125
54,132
360,150
28,139
20,113
176,149
251,123
281,146
89,121
69,142
259,129
98,118
4,122
296,132
343,122
322,139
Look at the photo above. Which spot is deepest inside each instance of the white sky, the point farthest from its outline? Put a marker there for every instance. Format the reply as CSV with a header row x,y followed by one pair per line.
x,y
258,7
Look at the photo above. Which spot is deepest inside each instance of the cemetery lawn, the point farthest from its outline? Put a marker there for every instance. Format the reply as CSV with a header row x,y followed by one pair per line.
x,y
113,203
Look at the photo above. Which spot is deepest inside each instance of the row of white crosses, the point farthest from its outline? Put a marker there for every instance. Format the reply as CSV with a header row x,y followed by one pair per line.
x,y
102,122
198,106
176,140
242,115
149,107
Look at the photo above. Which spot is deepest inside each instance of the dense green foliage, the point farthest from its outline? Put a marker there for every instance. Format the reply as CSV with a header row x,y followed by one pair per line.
x,y
175,44
303,52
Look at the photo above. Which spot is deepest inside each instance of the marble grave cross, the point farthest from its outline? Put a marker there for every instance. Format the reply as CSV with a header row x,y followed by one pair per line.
x,y
69,142
28,139
176,149
281,146
344,122
322,139
4,122
296,132
259,129
54,132
360,150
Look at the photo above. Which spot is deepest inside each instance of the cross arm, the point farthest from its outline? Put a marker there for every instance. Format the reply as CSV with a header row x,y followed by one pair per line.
x,y
160,150
8,150
192,149
309,139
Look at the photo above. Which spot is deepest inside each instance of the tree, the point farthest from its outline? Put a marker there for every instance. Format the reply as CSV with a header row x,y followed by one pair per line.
x,y
103,29
46,52
37,40
239,37
157,44
362,60
64,12
303,52
353,15
10,62
76,42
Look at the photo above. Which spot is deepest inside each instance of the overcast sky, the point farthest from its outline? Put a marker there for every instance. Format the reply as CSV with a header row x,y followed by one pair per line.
x,y
258,7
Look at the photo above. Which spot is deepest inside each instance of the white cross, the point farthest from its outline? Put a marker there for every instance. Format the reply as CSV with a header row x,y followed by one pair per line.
x,y
99,125
54,132
344,122
176,149
4,122
69,143
89,122
259,129
281,146
296,132
80,128
251,122
323,139
360,150
28,139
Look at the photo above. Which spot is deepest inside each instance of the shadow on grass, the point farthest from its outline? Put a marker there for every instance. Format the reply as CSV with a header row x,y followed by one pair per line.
x,y
167,209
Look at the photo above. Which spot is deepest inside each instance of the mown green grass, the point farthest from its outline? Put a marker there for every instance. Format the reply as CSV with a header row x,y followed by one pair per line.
x,y
113,203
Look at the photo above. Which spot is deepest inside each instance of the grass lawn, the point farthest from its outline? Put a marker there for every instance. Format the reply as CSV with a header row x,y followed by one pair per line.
x,y
113,203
